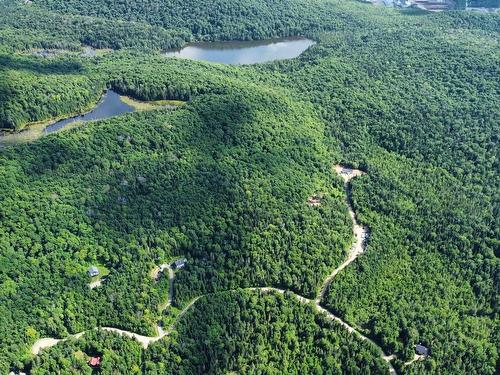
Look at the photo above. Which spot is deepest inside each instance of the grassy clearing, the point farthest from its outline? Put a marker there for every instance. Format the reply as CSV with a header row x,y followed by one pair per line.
x,y
30,134
176,103
103,272
148,106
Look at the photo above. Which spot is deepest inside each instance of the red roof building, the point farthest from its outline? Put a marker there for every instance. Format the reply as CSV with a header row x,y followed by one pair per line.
x,y
94,361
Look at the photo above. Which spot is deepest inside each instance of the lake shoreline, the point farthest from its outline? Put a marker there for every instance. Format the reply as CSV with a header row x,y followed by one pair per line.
x,y
118,105
53,120
35,130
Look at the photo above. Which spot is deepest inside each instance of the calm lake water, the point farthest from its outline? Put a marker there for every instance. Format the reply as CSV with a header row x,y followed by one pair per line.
x,y
236,53
109,106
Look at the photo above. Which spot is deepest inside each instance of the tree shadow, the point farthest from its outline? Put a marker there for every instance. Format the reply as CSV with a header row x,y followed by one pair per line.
x,y
210,182
37,65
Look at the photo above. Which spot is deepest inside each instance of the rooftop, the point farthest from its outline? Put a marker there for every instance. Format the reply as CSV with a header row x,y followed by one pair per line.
x,y
95,361
422,350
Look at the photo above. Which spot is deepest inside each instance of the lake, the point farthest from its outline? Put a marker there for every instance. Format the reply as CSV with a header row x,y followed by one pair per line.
x,y
237,52
110,105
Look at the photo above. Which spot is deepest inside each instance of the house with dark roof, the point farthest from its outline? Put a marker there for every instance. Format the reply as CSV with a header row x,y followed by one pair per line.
x,y
179,263
422,350
93,271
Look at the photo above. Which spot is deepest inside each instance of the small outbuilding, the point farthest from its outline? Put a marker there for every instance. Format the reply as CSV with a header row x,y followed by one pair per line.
x,y
422,350
179,263
93,271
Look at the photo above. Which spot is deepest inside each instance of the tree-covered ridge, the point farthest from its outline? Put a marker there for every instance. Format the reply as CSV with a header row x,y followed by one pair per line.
x,y
224,182
214,20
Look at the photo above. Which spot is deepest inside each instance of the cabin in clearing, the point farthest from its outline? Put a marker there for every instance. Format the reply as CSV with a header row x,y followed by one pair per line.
x,y
93,271
315,200
422,350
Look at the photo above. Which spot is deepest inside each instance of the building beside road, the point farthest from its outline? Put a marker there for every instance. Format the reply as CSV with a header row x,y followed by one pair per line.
x,y
179,263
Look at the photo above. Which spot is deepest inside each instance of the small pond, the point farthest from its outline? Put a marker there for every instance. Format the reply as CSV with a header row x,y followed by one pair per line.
x,y
110,105
237,52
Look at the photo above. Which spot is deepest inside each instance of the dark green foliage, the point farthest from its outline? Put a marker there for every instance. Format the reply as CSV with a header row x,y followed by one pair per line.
x,y
254,333
219,336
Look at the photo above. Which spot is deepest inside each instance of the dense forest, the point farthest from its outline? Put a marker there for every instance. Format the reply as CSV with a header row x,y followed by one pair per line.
x,y
218,337
221,184
411,98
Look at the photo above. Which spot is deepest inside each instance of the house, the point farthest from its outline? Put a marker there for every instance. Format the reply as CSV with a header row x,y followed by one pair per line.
x,y
93,271
432,5
421,350
179,263
94,361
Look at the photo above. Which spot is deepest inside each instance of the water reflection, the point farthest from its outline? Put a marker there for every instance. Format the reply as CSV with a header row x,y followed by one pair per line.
x,y
109,106
236,53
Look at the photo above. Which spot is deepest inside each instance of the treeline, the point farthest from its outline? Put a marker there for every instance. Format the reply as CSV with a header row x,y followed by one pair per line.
x,y
216,20
23,27
33,89
253,20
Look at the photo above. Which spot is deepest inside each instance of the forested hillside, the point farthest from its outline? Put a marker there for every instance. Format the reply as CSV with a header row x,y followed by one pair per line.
x,y
411,98
214,20
218,336
223,157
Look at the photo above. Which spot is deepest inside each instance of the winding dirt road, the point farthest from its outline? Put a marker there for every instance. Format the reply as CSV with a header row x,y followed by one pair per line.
x,y
49,341
360,233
